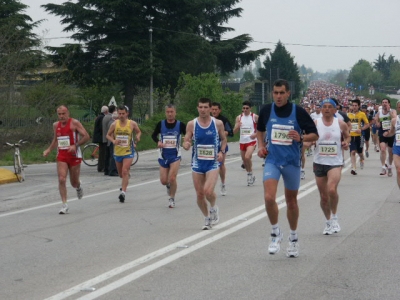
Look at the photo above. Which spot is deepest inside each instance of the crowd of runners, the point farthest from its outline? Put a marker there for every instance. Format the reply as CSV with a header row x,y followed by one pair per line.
x,y
328,121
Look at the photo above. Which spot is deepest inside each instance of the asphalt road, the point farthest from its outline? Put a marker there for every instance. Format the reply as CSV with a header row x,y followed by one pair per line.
x,y
142,249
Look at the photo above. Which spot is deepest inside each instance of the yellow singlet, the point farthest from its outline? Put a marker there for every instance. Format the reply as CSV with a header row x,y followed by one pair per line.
x,y
355,120
124,134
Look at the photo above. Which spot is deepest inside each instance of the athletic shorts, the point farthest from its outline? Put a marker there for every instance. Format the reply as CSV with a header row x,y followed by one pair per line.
x,y
226,151
166,163
367,134
396,150
290,175
70,161
243,147
387,140
374,129
120,159
355,144
207,166
322,170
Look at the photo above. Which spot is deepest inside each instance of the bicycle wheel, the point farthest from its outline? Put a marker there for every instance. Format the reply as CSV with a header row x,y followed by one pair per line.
x,y
135,158
18,168
90,155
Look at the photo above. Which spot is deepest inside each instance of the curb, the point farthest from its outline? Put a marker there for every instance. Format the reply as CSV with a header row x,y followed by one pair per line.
x,y
6,176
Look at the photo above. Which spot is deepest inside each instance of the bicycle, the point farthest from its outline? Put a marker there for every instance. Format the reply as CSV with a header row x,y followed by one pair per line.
x,y
18,164
90,155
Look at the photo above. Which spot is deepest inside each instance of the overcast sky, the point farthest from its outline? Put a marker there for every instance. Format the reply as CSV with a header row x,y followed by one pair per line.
x,y
369,23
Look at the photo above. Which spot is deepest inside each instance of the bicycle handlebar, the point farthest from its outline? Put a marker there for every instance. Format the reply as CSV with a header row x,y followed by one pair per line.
x,y
19,144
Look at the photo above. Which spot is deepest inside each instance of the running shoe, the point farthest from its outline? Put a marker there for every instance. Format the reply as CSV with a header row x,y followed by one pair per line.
x,y
390,173
242,166
383,172
223,190
328,228
214,215
353,172
275,243
250,179
207,223
293,249
361,164
366,153
302,174
121,197
171,203
64,209
335,226
79,191
168,189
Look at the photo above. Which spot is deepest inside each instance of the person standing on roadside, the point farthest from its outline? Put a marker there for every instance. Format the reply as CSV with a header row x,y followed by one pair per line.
x,y
209,145
121,135
328,159
69,135
216,113
395,131
107,118
98,138
281,126
167,135
247,124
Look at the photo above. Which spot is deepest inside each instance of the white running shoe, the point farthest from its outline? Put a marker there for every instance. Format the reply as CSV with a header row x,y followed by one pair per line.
x,y
335,226
64,209
79,191
390,173
168,189
275,243
250,179
223,190
302,174
171,203
293,249
361,164
207,224
214,215
328,228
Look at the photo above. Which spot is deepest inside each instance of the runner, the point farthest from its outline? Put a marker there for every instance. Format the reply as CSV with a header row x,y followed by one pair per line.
x,y
374,129
121,135
366,134
216,113
167,135
328,158
356,117
208,137
247,124
69,134
395,130
280,126
383,120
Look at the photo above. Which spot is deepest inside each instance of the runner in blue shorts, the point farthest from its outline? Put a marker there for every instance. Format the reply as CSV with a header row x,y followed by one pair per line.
x,y
167,135
280,126
207,135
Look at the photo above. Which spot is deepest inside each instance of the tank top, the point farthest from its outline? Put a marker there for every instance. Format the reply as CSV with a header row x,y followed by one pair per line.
x,y
328,150
384,119
397,134
65,138
282,150
171,138
124,134
247,128
205,144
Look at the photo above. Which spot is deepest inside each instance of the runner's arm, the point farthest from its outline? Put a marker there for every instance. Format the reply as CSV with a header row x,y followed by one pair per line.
x,y
188,136
110,133
53,144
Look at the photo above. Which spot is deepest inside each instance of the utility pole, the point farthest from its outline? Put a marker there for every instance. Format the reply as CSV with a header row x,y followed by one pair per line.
x,y
151,67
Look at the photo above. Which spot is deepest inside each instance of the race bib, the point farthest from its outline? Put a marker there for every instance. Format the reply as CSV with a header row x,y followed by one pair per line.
x,y
246,131
169,141
386,125
280,135
397,138
328,148
206,152
63,142
124,139
354,127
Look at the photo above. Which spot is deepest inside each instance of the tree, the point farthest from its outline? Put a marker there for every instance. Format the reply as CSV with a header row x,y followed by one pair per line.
x,y
280,64
116,48
248,76
361,74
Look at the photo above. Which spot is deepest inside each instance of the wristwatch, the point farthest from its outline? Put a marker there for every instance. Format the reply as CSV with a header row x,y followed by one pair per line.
x,y
301,138
222,151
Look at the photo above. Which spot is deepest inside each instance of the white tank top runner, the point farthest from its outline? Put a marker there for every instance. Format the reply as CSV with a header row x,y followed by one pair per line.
x,y
328,149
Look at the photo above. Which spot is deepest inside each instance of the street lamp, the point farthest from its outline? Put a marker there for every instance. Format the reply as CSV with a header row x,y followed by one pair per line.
x,y
151,66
